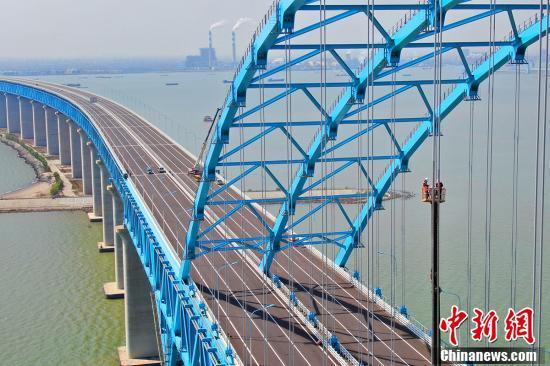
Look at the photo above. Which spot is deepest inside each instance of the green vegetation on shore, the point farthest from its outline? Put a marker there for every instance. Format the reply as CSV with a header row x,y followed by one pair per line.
x,y
57,186
31,151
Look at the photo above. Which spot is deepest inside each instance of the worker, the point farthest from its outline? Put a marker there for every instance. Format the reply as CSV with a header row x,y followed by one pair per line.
x,y
425,189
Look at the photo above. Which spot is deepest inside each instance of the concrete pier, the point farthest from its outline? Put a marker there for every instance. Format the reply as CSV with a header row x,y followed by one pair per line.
x,y
12,112
115,290
25,118
118,218
97,212
39,124
76,157
86,163
141,340
107,245
64,139
3,112
52,140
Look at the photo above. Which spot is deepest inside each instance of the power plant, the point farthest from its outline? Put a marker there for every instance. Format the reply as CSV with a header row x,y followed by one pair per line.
x,y
206,59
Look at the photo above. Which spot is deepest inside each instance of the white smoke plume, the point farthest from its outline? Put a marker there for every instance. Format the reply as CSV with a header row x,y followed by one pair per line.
x,y
240,22
217,24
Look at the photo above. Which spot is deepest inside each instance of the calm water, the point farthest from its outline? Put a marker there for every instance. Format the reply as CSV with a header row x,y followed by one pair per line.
x,y
20,173
198,94
53,308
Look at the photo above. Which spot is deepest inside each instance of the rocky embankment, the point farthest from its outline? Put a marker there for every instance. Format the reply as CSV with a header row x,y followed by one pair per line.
x,y
38,167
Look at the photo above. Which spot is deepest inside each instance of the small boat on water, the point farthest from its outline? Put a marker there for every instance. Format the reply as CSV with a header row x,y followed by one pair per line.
x,y
275,80
172,84
227,81
73,85
207,119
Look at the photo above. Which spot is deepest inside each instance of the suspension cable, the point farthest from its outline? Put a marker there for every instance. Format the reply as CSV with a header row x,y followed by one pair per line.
x,y
540,176
470,214
515,196
289,169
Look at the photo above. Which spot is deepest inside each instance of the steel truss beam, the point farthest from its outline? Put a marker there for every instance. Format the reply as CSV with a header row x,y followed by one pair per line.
x,y
374,66
279,21
273,37
460,93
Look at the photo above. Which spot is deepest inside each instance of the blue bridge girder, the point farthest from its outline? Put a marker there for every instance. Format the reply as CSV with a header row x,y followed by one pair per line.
x,y
277,31
186,330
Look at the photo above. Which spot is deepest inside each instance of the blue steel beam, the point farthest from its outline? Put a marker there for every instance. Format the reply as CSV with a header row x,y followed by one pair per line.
x,y
360,46
381,59
186,326
482,72
302,161
390,55
411,6
344,122
280,20
278,200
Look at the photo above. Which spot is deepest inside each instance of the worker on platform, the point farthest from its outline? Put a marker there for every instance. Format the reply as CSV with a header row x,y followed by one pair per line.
x,y
425,189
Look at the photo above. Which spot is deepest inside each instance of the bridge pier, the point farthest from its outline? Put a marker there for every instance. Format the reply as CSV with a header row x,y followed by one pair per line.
x,y
115,290
52,141
3,113
39,124
76,158
12,113
107,209
85,159
25,118
118,220
141,337
97,212
64,139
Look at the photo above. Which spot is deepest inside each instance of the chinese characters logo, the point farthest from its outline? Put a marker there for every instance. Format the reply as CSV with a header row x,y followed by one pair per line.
x,y
517,325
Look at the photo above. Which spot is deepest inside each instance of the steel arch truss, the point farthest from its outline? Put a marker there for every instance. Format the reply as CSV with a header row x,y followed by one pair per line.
x,y
255,114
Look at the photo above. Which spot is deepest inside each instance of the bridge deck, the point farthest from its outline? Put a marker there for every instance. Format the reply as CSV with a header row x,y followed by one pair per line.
x,y
243,291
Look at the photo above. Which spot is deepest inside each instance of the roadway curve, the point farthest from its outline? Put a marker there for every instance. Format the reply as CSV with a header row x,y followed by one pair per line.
x,y
243,291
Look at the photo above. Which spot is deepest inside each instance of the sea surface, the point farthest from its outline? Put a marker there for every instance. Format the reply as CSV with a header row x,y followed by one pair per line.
x,y
53,311
179,111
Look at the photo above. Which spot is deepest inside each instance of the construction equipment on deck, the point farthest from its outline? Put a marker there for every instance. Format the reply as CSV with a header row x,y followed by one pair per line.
x,y
196,171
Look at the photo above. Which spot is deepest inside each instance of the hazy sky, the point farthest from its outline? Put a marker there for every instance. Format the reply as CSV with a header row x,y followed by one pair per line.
x,y
120,28
144,28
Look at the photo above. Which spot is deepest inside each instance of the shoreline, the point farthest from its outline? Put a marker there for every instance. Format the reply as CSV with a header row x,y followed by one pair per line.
x,y
35,196
40,173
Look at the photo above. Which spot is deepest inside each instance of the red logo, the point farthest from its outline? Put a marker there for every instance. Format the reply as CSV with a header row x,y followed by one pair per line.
x,y
485,325
519,325
452,323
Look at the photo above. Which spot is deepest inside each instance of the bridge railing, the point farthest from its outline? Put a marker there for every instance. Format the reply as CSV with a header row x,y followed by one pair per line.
x,y
189,327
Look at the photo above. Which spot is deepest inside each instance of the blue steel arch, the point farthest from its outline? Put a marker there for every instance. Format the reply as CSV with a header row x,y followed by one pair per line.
x,y
187,333
278,27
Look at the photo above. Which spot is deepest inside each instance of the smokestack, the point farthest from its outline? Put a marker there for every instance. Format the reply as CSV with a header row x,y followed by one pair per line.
x,y
236,26
210,49
234,46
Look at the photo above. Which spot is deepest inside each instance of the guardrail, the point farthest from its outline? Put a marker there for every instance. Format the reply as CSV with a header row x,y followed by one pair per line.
x,y
189,327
